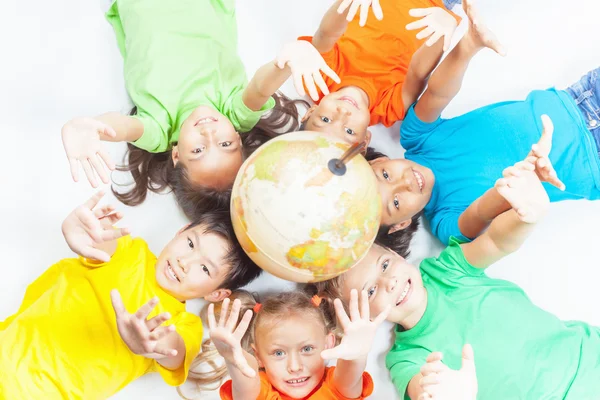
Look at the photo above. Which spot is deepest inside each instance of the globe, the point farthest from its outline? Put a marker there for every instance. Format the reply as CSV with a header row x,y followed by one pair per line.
x,y
298,220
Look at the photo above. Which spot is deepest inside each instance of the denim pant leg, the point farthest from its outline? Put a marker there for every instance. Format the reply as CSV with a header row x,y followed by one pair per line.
x,y
451,3
586,93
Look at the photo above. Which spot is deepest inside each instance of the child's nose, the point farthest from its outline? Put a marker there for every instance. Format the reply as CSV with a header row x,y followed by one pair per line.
x,y
344,111
294,364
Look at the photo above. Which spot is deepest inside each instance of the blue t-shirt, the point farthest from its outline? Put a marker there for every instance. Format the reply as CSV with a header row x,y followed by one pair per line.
x,y
467,154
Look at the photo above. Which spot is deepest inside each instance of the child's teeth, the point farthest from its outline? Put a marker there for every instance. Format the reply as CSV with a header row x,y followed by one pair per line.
x,y
404,293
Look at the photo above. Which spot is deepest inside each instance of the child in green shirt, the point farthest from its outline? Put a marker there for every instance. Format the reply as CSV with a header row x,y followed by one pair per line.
x,y
521,351
192,98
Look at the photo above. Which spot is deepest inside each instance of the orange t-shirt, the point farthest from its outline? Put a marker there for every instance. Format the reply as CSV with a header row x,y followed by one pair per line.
x,y
376,57
324,391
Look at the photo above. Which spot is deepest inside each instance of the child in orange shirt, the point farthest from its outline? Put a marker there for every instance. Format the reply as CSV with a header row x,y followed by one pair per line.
x,y
382,67
291,336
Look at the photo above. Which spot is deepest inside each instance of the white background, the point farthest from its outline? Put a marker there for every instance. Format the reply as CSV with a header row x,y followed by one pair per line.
x,y
59,60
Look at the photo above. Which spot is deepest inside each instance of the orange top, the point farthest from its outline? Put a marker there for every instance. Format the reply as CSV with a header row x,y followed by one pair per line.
x,y
376,57
324,391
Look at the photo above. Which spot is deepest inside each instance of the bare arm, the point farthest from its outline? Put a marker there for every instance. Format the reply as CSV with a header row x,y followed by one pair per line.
x,y
332,27
424,61
477,217
348,376
127,128
414,389
446,81
265,82
243,387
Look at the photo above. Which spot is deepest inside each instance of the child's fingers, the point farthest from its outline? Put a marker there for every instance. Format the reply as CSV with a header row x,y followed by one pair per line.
x,y
525,166
165,351
434,367
212,322
425,396
434,38
330,354
432,379
97,165
500,183
117,303
353,10
383,315
321,83
157,321
417,24
233,316
420,12
377,11
161,332
145,310
364,14
497,47
104,210
74,165
447,41
242,327
224,309
94,254
435,356
354,314
298,82
89,173
547,132
425,33
341,314
511,171
108,131
242,365
114,234
344,6
364,305
310,85
330,73
94,200
109,220
107,160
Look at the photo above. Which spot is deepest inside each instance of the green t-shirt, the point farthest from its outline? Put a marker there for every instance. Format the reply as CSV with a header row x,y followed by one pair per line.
x,y
521,351
180,54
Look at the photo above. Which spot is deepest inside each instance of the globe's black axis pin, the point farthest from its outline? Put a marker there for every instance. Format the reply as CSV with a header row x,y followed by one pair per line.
x,y
338,165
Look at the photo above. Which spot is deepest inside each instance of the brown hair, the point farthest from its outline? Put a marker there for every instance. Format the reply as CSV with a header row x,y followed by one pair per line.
x,y
273,308
155,172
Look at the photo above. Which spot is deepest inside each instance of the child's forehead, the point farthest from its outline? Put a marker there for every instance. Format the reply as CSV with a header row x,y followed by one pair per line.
x,y
291,330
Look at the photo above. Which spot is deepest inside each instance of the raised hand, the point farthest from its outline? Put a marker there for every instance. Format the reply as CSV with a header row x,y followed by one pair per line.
x,y
364,6
443,383
82,142
143,336
306,65
359,330
85,228
437,23
227,337
524,191
479,35
539,155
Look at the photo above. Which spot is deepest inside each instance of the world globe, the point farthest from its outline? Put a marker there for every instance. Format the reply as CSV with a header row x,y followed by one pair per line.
x,y
297,219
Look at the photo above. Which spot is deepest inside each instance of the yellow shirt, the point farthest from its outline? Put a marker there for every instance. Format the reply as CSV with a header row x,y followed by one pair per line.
x,y
63,342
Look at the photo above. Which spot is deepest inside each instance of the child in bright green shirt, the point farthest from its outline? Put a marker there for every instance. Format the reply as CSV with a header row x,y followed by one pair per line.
x,y
521,351
192,98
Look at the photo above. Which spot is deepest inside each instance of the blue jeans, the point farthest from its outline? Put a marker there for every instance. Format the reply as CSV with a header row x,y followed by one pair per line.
x,y
586,93
451,3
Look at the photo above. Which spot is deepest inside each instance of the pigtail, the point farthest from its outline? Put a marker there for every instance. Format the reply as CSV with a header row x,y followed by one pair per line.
x,y
208,370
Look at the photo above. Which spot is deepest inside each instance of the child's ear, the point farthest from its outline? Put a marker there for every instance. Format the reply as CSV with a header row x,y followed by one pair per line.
x,y
175,155
368,139
260,364
308,113
330,341
218,295
399,226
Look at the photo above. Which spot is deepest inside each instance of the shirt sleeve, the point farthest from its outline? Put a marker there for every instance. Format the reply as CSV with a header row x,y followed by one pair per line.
x,y
444,224
266,389
451,264
155,138
414,132
367,386
242,117
189,327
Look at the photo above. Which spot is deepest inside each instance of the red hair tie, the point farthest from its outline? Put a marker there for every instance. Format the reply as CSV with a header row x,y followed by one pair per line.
x,y
316,300
257,308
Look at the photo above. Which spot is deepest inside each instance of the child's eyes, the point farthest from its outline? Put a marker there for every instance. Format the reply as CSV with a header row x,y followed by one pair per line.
x,y
396,203
371,291
349,131
385,265
385,175
307,349
278,353
197,150
225,144
190,243
325,119
205,269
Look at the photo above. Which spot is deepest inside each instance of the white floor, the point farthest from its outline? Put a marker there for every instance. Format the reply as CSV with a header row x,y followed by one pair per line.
x,y
59,60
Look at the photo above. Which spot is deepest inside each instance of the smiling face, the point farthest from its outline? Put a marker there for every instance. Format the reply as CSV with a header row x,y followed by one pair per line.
x,y
405,188
289,349
388,280
343,114
210,148
193,264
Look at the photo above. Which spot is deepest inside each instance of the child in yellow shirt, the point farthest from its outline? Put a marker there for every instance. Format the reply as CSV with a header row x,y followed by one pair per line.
x,y
65,342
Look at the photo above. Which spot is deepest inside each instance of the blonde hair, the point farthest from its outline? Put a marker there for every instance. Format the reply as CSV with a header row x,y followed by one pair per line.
x,y
273,308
